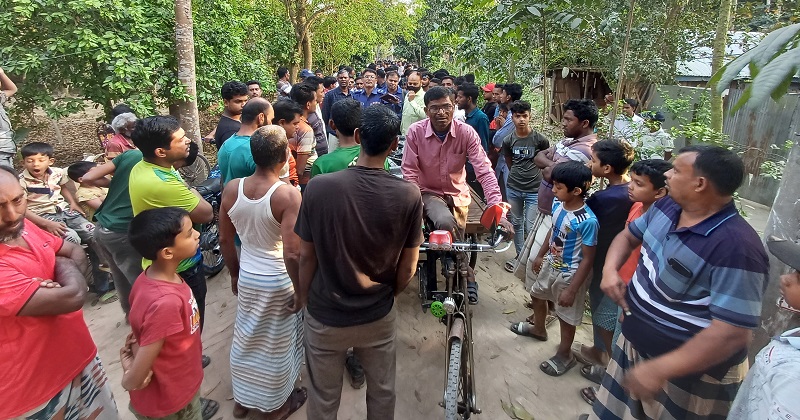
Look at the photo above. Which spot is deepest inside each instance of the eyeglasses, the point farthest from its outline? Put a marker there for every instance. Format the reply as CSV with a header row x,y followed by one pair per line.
x,y
368,77
439,109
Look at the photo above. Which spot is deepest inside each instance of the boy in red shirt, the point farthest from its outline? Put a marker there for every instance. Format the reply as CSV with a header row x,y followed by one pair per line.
x,y
161,358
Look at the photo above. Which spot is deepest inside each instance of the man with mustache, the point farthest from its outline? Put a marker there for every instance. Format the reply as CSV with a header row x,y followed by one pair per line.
x,y
414,103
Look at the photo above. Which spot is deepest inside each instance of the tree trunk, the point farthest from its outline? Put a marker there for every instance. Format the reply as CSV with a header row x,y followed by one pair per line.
x,y
717,59
184,46
306,43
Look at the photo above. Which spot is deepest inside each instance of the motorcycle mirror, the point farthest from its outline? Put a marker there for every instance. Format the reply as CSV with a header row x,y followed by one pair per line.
x,y
491,216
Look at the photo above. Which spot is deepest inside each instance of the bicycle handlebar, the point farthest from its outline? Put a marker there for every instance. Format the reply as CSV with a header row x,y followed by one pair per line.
x,y
465,247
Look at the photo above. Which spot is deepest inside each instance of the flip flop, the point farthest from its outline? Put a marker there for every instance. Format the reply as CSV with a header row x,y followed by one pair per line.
x,y
205,361
582,353
518,329
208,408
509,265
548,320
589,394
555,367
593,373
108,297
296,400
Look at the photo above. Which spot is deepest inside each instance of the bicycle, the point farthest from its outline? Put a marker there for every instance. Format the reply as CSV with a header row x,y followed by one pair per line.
x,y
451,306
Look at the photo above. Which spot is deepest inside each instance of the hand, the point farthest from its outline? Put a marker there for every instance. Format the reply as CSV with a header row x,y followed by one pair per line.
x,y
412,95
613,286
537,264
126,354
235,284
644,381
207,139
567,297
77,209
296,304
46,284
507,226
499,121
56,228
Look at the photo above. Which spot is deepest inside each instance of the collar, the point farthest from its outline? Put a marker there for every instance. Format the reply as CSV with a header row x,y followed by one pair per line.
x,y
584,139
708,225
429,133
792,337
471,114
29,177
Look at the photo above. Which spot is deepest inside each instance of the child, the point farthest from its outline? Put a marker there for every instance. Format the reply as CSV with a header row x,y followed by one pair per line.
x,y
88,196
161,358
54,208
770,388
563,264
610,159
647,185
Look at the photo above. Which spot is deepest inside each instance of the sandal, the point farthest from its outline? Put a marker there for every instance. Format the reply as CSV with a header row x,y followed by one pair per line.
x,y
108,297
205,361
208,408
582,353
589,394
554,366
472,292
509,265
296,400
548,320
518,328
593,373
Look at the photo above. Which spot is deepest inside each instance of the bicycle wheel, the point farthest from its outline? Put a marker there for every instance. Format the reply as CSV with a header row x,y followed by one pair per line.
x,y
453,389
197,172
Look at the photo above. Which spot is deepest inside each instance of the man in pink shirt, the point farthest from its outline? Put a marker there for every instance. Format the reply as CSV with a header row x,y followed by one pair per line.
x,y
435,152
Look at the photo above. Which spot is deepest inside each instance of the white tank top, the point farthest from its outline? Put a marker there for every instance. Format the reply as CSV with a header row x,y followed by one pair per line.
x,y
260,233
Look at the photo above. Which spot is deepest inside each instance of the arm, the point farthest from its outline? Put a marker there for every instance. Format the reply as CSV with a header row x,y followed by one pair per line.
x,y
69,195
711,346
537,262
544,161
94,203
227,233
137,363
8,87
308,267
483,170
56,228
303,174
618,252
202,212
286,215
60,300
98,176
410,164
406,268
507,152
567,297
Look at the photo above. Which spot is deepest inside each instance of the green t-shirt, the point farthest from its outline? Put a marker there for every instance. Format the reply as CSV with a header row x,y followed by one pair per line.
x,y
235,158
151,187
337,160
116,213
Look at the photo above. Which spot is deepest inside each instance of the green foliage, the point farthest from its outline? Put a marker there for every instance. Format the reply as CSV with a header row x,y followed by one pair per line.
x,y
692,119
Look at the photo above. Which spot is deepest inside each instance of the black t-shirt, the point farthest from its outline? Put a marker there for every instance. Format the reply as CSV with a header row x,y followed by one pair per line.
x,y
611,206
524,175
225,129
489,109
359,220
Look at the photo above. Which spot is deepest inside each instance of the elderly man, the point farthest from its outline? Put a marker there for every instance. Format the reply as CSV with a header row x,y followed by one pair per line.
x,y
434,157
49,362
694,300
414,103
121,142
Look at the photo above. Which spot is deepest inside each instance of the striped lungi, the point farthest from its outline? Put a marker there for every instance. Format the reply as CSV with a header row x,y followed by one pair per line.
x,y
88,396
267,349
682,399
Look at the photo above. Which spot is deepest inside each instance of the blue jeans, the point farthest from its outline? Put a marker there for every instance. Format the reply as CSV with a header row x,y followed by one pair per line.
x,y
523,204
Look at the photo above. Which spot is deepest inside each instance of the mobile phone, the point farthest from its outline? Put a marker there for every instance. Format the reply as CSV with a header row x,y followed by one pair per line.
x,y
388,97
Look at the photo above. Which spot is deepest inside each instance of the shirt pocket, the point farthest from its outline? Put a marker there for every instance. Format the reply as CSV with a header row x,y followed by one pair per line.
x,y
456,161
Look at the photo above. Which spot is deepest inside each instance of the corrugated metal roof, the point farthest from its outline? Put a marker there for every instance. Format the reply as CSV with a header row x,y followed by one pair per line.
x,y
738,43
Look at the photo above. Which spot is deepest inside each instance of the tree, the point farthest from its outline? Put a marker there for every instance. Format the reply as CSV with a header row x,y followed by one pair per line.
x,y
717,57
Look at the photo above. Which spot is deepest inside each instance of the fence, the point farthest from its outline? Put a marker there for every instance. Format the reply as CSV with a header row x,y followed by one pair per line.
x,y
752,133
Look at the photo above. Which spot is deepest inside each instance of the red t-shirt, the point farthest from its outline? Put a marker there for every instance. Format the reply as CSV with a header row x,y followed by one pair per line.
x,y
629,268
163,310
39,355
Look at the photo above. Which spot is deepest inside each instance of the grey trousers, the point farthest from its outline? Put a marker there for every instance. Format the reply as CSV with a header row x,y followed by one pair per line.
x,y
326,350
125,263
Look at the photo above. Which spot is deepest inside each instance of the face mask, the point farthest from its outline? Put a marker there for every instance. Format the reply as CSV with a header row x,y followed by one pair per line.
x,y
413,88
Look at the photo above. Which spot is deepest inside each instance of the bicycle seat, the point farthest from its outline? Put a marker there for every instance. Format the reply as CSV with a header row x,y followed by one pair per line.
x,y
440,239
209,186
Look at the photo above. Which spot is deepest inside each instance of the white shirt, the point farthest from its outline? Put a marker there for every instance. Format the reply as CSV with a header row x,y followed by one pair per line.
x,y
629,128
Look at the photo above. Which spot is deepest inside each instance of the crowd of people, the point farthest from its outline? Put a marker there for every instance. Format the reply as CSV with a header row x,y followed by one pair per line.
x,y
320,236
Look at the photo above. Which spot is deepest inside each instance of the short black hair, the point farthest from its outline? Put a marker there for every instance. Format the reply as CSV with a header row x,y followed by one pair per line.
x,y
632,102
285,110
369,70
584,110
253,108
380,73
10,170
328,82
573,174
618,154
37,148
303,93
349,69
449,77
314,81
268,145
435,93
282,72
502,107
155,132
253,82
437,81
79,169
514,90
459,80
392,73
346,114
518,107
469,90
153,230
121,108
380,126
232,89
469,78
654,169
723,168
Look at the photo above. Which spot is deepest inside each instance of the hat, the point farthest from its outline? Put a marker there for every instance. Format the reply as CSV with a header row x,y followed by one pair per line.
x,y
489,87
306,73
785,250
655,116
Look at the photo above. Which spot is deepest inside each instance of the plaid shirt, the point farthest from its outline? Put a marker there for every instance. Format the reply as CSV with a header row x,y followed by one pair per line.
x,y
44,196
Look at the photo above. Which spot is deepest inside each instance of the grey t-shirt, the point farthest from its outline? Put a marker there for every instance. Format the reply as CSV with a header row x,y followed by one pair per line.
x,y
524,175
6,133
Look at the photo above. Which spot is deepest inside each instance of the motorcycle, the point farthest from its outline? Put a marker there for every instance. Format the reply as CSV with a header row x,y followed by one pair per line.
x,y
211,191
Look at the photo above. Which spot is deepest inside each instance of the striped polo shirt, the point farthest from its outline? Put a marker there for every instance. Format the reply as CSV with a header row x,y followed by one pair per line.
x,y
716,269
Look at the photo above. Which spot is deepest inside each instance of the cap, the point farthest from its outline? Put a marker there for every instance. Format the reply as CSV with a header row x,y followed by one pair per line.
x,y
785,250
654,115
306,73
489,87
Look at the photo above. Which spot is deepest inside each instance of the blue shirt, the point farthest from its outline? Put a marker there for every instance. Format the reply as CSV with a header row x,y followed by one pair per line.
x,y
716,269
480,122
373,98
333,96
497,141
572,229
235,158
